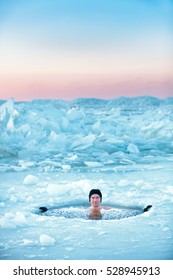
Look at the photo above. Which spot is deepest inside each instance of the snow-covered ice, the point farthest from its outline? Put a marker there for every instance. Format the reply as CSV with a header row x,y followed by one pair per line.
x,y
53,152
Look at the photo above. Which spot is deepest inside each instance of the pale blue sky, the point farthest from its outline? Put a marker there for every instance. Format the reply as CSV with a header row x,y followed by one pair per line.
x,y
84,48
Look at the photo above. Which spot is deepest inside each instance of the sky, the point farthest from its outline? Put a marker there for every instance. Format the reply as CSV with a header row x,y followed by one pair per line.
x,y
66,49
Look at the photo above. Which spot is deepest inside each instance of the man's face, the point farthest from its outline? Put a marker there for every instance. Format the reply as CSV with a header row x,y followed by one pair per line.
x,y
95,200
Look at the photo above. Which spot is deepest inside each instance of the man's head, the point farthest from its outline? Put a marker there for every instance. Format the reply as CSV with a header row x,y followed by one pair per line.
x,y
95,194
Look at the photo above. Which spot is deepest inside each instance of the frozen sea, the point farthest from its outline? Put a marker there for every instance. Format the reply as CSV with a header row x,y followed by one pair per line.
x,y
52,152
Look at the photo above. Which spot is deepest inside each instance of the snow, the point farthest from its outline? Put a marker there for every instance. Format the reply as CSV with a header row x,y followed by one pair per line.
x,y
30,180
46,240
53,152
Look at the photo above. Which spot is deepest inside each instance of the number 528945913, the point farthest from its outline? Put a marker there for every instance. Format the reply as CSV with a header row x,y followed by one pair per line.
x,y
139,270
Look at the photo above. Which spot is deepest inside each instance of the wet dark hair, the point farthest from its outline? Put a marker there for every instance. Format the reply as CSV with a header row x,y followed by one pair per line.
x,y
95,191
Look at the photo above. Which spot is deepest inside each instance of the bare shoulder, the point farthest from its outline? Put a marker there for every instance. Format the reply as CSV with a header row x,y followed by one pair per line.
x,y
106,207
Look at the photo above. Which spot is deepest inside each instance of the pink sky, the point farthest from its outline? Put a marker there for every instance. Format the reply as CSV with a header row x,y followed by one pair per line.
x,y
35,88
99,87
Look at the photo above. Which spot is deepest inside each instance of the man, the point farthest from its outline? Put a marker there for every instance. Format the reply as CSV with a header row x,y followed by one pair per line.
x,y
95,211
95,198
